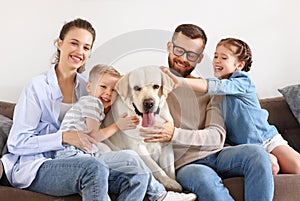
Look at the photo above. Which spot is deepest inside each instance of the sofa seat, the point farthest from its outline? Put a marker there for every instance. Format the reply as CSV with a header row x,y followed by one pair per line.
x,y
287,186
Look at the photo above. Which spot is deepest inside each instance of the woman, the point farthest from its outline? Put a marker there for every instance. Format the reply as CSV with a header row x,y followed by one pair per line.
x,y
35,132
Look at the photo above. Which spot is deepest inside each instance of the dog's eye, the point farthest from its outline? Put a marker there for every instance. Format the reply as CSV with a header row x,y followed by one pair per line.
x,y
137,88
156,86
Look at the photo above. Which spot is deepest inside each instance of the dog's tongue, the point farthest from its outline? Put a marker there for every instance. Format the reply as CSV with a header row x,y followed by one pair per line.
x,y
148,119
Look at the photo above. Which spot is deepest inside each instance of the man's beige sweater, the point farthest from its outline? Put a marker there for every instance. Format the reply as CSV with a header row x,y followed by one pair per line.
x,y
199,126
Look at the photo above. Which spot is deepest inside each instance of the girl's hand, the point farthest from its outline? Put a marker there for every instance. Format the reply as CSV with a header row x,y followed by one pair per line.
x,y
126,122
178,81
79,139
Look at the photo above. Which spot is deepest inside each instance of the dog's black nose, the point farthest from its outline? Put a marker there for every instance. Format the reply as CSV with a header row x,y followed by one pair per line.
x,y
148,104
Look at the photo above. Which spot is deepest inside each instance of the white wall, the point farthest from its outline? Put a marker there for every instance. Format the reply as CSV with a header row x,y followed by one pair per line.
x,y
131,27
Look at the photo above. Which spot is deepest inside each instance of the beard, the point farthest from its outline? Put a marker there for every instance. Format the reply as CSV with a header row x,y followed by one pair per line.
x,y
179,72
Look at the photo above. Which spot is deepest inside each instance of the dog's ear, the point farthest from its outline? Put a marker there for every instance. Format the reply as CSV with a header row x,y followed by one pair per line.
x,y
122,86
167,84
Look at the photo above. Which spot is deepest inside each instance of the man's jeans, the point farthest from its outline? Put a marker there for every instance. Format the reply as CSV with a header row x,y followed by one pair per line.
x,y
204,176
115,172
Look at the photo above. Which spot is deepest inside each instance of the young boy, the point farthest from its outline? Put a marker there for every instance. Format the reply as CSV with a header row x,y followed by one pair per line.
x,y
89,111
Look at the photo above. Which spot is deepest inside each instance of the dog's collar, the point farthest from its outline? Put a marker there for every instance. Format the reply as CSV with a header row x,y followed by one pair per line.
x,y
141,114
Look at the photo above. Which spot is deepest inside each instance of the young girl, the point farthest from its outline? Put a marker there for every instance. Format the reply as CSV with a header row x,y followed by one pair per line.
x,y
245,120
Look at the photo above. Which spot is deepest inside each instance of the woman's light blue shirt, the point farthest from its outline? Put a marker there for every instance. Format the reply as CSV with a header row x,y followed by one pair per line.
x,y
35,131
246,121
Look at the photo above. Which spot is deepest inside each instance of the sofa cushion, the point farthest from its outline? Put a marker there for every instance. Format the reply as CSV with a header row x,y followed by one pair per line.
x,y
14,194
292,135
5,125
292,96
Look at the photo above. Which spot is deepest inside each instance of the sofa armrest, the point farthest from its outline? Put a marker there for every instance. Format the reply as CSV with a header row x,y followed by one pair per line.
x,y
7,109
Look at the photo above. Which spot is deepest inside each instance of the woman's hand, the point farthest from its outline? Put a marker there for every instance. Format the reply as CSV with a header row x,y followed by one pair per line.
x,y
158,133
125,122
79,139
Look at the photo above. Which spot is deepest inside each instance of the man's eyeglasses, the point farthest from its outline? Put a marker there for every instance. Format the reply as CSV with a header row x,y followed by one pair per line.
x,y
179,51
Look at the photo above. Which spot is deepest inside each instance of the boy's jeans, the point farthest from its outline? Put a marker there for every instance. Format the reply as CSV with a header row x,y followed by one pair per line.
x,y
204,176
114,172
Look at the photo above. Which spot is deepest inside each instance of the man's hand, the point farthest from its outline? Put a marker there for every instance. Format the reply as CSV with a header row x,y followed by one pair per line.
x,y
158,133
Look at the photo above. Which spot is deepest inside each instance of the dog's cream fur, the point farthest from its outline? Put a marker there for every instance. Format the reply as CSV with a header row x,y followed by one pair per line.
x,y
146,83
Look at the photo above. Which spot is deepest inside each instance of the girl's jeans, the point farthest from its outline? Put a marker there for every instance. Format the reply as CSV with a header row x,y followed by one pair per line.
x,y
121,173
204,176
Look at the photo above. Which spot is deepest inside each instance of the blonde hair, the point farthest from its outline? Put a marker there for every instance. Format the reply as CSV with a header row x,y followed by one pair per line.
x,y
101,69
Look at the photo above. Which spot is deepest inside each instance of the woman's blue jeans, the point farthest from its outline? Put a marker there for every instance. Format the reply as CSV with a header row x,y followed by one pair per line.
x,y
204,176
120,173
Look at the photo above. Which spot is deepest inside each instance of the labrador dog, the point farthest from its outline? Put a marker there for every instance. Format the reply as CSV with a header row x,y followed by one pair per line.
x,y
143,92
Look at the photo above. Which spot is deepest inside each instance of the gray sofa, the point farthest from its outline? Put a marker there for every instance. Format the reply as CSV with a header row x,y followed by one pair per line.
x,y
286,186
